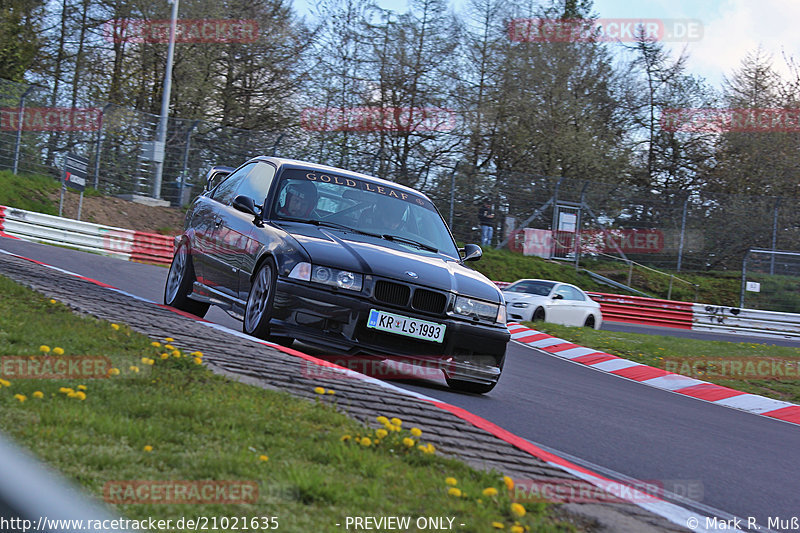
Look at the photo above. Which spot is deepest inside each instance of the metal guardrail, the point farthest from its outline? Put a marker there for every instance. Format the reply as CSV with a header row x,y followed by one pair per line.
x,y
105,240
35,499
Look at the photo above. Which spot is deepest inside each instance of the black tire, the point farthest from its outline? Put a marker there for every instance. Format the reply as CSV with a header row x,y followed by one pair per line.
x,y
179,283
258,311
538,315
589,322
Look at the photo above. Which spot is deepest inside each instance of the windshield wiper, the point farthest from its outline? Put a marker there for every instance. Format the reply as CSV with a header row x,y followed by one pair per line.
x,y
329,224
412,242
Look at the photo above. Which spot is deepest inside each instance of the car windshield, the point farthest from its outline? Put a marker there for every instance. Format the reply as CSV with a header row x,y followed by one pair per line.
x,y
364,207
539,288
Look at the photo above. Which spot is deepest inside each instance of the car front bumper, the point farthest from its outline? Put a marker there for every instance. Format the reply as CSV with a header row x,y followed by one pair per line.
x,y
337,319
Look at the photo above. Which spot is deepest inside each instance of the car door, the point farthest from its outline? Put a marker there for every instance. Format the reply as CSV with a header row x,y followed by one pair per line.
x,y
561,305
255,186
220,271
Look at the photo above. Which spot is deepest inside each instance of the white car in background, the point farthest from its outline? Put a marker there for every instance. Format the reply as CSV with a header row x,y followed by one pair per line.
x,y
551,301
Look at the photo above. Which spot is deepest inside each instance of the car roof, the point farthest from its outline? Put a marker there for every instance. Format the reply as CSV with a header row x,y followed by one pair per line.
x,y
305,165
546,281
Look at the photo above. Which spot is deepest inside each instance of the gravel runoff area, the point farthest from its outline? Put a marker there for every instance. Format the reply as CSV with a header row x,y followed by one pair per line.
x,y
252,362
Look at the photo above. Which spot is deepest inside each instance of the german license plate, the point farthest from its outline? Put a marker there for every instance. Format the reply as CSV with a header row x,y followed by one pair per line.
x,y
403,325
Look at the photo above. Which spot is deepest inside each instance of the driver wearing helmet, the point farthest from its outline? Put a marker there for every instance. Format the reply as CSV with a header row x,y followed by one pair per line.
x,y
388,214
300,201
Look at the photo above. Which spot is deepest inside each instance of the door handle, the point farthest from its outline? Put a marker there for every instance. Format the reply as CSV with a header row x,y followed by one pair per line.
x,y
218,223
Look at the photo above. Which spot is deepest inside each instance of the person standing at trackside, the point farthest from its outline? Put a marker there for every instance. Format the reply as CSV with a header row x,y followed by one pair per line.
x,y
486,219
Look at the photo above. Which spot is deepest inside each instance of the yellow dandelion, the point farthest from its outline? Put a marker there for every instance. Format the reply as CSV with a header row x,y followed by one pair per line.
x,y
451,481
114,372
422,448
330,391
58,351
517,529
155,343
498,525
5,383
133,368
72,394
197,361
148,448
430,449
115,327
416,432
366,441
382,420
381,433
80,395
452,491
176,353
81,387
517,509
509,482
345,438
65,390
44,348
408,443
52,301
164,355
263,458
396,422
169,347
20,397
168,339
196,354
319,390
490,491
38,394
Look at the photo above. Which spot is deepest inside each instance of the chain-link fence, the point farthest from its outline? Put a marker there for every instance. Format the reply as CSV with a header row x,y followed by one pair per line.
x,y
771,280
113,139
668,229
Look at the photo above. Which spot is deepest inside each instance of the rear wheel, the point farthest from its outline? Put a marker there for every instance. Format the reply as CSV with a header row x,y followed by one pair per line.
x,y
179,284
589,322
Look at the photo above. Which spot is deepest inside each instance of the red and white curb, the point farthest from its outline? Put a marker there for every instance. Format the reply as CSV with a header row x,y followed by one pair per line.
x,y
669,511
656,377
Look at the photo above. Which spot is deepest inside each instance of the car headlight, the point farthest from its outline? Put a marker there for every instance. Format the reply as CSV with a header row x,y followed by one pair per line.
x,y
334,277
521,305
475,308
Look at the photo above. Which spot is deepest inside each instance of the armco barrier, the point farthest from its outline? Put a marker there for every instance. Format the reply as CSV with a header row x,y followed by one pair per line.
x,y
106,240
649,311
694,316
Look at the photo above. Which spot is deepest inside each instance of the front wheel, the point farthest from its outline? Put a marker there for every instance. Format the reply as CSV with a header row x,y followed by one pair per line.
x,y
259,302
538,315
179,284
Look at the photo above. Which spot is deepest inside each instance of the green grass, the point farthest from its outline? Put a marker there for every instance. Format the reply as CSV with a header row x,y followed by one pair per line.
x,y
661,350
204,427
28,191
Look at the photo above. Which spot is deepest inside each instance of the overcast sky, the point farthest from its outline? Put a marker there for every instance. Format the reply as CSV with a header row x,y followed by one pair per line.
x,y
730,28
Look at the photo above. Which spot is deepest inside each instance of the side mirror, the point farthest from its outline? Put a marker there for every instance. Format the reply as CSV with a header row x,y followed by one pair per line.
x,y
245,204
472,252
558,297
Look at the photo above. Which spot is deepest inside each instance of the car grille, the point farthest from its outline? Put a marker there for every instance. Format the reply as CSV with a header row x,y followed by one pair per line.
x,y
392,293
398,294
429,301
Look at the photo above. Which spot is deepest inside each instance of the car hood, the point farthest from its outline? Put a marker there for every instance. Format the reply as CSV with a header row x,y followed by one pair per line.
x,y
512,297
370,255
